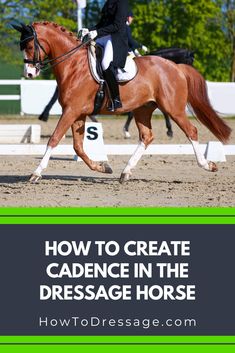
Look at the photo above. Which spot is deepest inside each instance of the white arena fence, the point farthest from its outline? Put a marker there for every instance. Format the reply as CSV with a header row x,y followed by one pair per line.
x,y
35,95
213,151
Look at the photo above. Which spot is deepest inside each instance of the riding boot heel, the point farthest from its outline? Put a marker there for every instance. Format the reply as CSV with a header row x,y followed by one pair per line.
x,y
115,104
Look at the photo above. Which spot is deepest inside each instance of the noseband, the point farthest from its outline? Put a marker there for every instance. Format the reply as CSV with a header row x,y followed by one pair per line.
x,y
44,64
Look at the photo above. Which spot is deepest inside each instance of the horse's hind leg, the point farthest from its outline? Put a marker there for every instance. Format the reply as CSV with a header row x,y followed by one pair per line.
x,y
168,125
78,130
126,126
191,132
143,121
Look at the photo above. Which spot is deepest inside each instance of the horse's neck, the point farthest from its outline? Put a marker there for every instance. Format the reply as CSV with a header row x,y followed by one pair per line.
x,y
61,45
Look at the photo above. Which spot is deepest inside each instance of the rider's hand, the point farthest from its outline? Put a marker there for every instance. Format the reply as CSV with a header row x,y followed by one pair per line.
x,y
89,36
83,32
92,34
137,53
144,48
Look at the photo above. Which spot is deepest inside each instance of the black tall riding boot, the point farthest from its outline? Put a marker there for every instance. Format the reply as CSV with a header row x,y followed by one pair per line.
x,y
113,89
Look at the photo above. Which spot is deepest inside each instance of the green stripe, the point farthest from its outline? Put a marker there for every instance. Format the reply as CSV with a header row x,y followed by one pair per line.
x,y
117,216
122,211
119,339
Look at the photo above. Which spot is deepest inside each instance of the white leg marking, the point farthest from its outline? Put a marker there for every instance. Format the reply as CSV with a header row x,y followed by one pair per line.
x,y
201,160
135,158
126,134
44,161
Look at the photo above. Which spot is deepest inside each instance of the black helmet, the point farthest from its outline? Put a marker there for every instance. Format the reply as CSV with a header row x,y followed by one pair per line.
x,y
130,14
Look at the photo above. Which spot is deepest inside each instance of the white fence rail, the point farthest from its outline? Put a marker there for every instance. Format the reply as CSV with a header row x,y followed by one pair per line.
x,y
216,154
34,96
10,97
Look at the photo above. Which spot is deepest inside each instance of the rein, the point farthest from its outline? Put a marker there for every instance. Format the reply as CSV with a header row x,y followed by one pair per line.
x,y
43,64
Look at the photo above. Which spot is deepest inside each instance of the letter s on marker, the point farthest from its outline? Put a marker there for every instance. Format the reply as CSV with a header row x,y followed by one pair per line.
x,y
92,131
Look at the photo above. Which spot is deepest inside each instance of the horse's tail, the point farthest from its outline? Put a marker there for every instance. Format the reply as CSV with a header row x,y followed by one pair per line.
x,y
200,103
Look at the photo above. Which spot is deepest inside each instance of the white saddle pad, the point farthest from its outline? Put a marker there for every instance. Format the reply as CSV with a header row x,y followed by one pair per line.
x,y
123,75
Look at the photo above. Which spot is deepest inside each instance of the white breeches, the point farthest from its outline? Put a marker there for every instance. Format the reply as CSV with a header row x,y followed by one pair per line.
x,y
106,43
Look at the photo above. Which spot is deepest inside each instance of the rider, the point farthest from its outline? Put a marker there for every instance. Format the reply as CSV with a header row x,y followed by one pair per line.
x,y
111,33
133,47
132,43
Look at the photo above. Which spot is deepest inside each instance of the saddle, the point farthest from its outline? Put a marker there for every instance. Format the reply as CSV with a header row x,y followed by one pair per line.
x,y
95,55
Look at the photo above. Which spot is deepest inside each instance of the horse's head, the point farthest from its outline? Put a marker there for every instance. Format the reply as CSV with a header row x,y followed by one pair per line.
x,y
34,52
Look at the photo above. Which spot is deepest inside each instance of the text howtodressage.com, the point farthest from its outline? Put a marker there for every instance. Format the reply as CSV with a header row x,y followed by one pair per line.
x,y
72,277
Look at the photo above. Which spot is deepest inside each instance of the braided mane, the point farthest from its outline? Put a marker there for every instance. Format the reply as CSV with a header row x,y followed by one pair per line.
x,y
59,27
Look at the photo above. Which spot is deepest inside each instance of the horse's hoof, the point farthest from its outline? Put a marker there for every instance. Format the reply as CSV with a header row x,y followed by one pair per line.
x,y
35,178
126,134
124,177
169,134
106,168
212,167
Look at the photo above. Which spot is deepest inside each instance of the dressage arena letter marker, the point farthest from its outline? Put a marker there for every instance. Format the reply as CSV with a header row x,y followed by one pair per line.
x,y
215,152
94,142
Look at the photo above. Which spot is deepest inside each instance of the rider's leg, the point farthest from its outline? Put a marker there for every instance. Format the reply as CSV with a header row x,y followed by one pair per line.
x,y
109,72
109,76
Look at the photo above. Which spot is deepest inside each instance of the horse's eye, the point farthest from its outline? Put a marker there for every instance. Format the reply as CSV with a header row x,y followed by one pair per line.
x,y
29,47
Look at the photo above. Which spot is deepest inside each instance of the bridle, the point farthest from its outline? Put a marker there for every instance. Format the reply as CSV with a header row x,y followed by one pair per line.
x,y
37,62
43,65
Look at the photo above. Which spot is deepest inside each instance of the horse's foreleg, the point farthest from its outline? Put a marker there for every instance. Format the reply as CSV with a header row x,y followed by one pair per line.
x,y
191,132
37,174
78,130
143,122
63,125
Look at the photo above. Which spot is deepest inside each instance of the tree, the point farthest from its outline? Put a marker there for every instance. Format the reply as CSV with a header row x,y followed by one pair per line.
x,y
92,13
196,25
205,26
58,11
8,9
62,12
228,9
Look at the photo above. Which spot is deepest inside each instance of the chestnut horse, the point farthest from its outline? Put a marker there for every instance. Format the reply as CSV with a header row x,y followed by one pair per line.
x,y
159,83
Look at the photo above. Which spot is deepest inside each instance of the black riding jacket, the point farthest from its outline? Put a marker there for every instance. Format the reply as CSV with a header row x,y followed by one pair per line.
x,y
113,22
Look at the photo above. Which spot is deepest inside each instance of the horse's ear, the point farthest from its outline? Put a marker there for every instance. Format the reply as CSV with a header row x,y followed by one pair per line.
x,y
19,26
